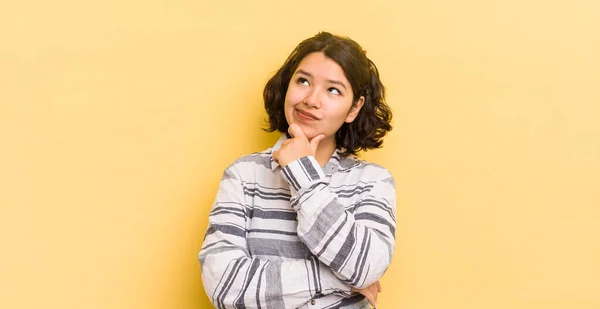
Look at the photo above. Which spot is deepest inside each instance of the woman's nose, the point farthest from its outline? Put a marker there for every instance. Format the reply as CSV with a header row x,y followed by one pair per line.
x,y
312,99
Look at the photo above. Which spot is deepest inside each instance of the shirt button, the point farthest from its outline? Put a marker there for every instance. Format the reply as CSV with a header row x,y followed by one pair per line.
x,y
312,302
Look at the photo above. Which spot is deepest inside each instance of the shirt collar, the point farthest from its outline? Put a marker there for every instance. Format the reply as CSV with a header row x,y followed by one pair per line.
x,y
336,163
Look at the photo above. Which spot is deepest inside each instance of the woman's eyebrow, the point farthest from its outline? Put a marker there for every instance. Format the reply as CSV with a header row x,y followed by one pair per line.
x,y
329,80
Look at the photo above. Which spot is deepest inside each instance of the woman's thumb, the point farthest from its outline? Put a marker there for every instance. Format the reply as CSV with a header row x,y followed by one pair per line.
x,y
314,143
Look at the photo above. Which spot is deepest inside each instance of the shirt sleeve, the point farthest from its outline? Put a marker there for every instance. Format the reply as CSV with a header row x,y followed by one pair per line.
x,y
234,279
357,246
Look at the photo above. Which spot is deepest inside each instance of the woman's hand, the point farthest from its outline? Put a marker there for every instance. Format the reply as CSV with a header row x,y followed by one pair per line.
x,y
370,292
296,147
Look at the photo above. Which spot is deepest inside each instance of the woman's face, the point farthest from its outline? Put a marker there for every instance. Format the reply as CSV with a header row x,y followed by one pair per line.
x,y
319,97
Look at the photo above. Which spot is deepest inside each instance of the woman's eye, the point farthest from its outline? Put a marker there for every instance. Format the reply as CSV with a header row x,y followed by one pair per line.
x,y
334,90
302,81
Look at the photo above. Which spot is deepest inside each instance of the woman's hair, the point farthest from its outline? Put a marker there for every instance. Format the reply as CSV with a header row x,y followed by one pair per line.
x,y
373,120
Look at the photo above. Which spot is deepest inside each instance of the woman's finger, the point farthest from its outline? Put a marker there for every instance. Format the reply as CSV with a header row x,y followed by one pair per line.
x,y
375,303
296,131
373,294
372,299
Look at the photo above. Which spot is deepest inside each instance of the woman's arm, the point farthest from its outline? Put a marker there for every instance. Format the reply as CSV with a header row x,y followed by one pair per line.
x,y
357,246
232,278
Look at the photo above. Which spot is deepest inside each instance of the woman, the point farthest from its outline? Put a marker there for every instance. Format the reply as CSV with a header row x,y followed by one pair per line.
x,y
305,224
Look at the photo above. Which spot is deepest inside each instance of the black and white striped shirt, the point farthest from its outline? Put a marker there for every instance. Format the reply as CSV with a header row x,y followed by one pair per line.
x,y
302,235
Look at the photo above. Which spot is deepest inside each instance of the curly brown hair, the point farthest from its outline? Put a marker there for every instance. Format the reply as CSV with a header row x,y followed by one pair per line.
x,y
373,121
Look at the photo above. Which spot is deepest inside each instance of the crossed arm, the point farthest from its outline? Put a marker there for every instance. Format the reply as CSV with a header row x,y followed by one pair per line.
x,y
233,278
352,250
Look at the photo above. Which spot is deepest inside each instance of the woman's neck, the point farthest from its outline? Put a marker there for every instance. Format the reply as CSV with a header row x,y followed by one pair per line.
x,y
325,151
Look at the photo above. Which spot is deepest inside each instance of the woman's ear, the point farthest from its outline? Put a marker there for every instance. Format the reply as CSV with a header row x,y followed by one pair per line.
x,y
355,109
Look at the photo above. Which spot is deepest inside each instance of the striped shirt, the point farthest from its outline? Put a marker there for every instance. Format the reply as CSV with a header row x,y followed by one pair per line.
x,y
299,236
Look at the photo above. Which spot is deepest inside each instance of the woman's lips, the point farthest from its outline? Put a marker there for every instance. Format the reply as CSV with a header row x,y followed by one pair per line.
x,y
306,115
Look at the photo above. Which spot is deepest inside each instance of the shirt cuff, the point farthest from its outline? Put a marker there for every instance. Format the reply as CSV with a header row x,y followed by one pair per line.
x,y
330,283
302,172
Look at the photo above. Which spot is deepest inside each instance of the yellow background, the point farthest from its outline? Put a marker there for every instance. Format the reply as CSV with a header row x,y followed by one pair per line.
x,y
117,119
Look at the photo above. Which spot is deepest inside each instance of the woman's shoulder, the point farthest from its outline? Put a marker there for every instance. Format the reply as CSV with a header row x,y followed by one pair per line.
x,y
371,170
252,161
351,162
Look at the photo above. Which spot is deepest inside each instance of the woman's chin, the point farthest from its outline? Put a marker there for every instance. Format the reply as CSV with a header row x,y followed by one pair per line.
x,y
310,134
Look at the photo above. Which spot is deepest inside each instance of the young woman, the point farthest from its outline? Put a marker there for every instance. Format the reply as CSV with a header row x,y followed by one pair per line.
x,y
305,224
